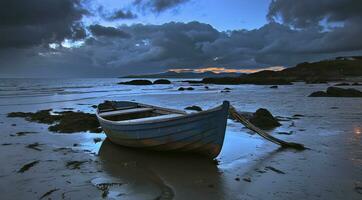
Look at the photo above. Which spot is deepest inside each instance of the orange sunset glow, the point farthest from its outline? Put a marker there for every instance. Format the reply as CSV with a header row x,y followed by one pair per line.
x,y
225,70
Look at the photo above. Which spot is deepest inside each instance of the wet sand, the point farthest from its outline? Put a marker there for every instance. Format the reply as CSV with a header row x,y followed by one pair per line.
x,y
77,166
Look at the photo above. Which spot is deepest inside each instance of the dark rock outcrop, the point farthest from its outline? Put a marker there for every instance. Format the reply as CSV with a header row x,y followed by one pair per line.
x,y
262,118
318,94
337,92
162,81
196,108
274,87
136,82
183,89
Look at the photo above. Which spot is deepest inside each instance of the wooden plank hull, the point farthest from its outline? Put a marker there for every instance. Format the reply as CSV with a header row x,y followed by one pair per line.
x,y
201,132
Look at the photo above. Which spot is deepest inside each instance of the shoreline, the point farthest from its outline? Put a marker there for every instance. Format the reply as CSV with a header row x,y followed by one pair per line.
x,y
74,166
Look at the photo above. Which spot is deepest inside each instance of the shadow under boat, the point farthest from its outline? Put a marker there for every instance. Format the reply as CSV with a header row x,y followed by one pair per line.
x,y
150,175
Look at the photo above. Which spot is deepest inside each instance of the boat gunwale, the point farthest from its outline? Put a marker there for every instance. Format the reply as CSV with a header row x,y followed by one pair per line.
x,y
186,115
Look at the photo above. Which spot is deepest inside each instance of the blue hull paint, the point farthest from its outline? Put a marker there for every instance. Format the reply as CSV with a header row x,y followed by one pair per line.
x,y
201,132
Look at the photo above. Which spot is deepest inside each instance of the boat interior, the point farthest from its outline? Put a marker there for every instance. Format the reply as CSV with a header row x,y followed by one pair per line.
x,y
134,112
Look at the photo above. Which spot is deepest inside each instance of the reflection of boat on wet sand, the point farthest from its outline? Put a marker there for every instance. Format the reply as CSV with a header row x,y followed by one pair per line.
x,y
138,125
159,175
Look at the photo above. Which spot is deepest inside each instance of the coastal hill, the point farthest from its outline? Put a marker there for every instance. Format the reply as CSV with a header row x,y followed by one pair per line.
x,y
316,72
173,74
323,71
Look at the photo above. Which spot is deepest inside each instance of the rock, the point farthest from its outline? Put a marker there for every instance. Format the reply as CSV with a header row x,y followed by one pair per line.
x,y
226,90
262,118
286,133
162,81
334,91
356,84
318,94
337,92
24,133
342,84
136,82
247,179
274,87
207,87
196,108
68,108
183,89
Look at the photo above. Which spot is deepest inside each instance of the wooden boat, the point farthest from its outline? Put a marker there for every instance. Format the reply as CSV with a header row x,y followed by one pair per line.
x,y
145,126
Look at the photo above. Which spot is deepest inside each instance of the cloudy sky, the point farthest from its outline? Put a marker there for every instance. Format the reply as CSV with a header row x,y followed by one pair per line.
x,y
121,37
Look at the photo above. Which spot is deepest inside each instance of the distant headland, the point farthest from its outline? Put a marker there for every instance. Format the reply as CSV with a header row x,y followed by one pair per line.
x,y
336,69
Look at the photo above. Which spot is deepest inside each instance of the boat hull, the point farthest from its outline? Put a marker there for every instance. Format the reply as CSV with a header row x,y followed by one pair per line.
x,y
201,132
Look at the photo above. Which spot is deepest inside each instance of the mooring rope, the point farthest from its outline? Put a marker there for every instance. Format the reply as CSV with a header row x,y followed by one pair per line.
x,y
249,125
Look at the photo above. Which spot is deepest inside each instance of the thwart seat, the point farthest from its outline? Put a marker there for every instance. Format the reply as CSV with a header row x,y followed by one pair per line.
x,y
125,112
156,118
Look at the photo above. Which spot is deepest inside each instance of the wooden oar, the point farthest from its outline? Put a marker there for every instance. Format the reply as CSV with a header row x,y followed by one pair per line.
x,y
262,133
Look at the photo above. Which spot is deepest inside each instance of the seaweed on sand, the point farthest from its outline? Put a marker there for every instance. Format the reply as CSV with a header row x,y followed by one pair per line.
x,y
63,122
48,193
34,146
27,166
75,164
275,170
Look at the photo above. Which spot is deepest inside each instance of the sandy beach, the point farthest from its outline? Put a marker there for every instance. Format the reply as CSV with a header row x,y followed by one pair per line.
x,y
88,166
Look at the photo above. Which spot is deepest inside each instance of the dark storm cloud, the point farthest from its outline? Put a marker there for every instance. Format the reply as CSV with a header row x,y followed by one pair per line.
x,y
157,47
98,30
328,26
153,48
159,5
120,14
26,23
116,14
310,12
144,48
